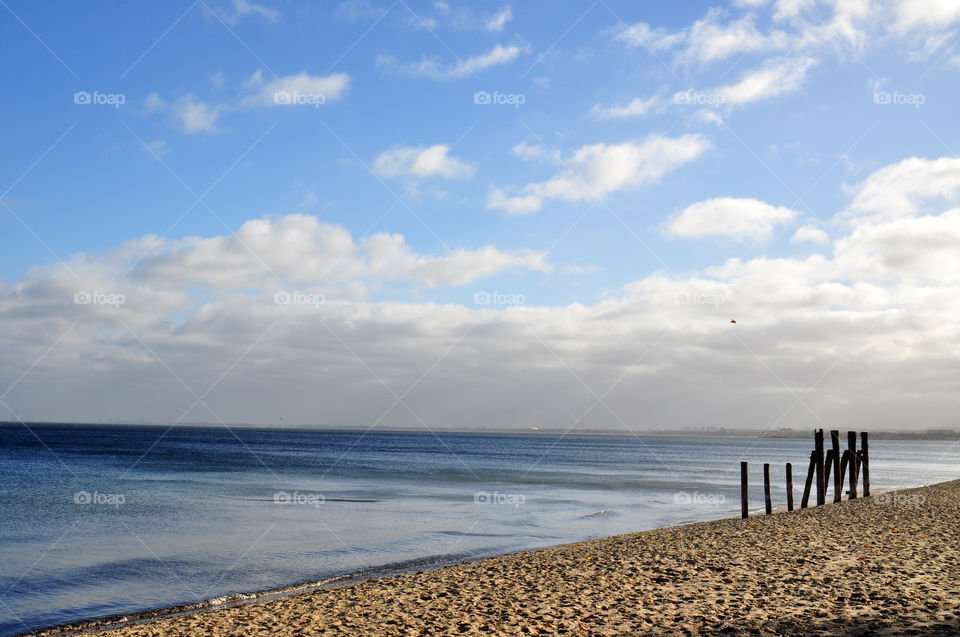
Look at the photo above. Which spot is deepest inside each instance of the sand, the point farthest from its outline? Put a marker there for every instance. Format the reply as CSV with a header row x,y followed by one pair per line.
x,y
886,565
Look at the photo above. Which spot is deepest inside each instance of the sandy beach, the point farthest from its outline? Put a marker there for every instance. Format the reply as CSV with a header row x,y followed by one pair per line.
x,y
886,565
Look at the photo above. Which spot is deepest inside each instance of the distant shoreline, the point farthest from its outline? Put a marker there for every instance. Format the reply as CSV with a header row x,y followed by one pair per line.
x,y
877,434
852,567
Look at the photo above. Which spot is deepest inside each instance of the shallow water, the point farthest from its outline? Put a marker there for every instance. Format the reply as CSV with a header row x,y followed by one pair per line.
x,y
97,521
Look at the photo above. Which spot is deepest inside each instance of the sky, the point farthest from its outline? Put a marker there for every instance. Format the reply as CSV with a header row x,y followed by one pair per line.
x,y
580,215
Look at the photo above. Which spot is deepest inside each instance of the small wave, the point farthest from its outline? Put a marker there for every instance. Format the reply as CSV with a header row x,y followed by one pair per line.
x,y
605,513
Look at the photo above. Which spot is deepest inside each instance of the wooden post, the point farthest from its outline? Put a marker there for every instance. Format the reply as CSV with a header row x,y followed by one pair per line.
x,y
744,509
865,455
827,466
837,478
766,488
852,463
844,460
806,486
818,449
790,487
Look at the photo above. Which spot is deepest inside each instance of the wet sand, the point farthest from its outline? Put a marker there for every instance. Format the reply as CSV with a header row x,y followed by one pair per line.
x,y
886,565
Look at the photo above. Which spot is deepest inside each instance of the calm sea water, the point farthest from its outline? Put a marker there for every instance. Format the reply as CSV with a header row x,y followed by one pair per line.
x,y
96,521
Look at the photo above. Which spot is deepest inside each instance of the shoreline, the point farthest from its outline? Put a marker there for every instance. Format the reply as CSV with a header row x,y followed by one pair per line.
x,y
854,534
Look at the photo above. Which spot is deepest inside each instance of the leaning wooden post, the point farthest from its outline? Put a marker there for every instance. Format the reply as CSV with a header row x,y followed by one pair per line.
x,y
818,449
864,454
766,488
837,478
844,460
744,509
852,463
827,465
789,487
806,487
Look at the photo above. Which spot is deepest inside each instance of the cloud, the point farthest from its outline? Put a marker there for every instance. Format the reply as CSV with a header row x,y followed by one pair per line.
x,y
497,21
420,161
244,8
635,108
707,40
188,113
291,90
899,190
811,234
729,217
193,115
433,69
929,13
596,170
775,78
529,152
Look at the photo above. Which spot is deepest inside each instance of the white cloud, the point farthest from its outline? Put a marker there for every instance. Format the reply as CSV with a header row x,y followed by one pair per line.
x,y
729,217
499,20
244,8
929,13
635,108
899,190
596,170
285,91
529,152
302,250
776,77
433,69
655,39
188,113
193,115
811,234
421,161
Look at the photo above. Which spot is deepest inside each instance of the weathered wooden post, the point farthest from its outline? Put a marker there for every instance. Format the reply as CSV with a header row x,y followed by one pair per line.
x,y
837,478
806,487
827,465
766,488
744,510
865,456
852,463
790,487
818,450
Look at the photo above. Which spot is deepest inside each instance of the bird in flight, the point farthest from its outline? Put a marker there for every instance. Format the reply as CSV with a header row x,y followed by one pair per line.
x,y
733,320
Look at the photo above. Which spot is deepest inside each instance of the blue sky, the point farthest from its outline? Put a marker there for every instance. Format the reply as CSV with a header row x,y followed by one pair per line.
x,y
645,153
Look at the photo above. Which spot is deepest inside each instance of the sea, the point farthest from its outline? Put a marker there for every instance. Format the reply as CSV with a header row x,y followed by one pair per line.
x,y
97,521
